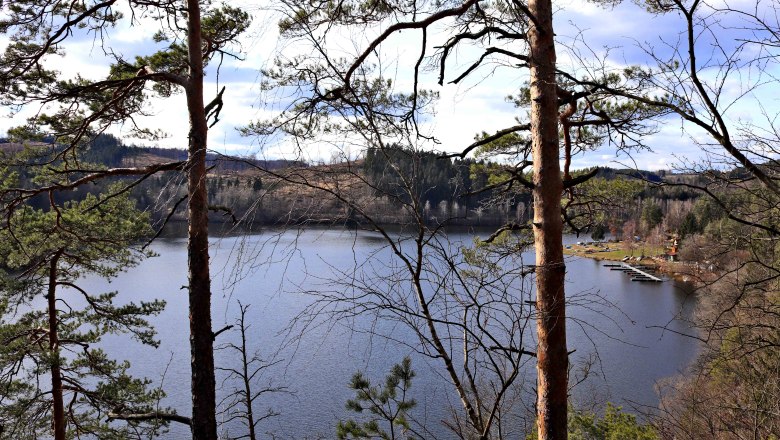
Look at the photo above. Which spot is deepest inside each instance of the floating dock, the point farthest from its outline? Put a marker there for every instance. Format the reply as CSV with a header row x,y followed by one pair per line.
x,y
637,273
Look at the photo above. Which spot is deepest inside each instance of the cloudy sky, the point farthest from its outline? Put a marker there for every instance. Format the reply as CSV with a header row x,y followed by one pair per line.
x,y
621,34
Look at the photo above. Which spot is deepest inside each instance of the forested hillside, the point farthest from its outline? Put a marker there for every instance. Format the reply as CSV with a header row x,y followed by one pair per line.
x,y
453,191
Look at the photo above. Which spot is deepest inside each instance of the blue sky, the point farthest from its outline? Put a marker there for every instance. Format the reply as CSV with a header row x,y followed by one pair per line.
x,y
476,105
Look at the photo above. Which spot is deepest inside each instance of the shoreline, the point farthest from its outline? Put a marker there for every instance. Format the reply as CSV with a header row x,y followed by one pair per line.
x,y
649,255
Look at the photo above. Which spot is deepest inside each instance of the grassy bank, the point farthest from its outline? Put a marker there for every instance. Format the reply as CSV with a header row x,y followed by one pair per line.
x,y
652,255
614,251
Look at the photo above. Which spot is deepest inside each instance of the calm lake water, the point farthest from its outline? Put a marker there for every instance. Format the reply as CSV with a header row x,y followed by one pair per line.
x,y
276,267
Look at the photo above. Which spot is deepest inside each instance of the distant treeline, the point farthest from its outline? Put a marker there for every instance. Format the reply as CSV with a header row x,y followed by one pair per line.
x,y
106,149
432,178
110,151
460,191
465,179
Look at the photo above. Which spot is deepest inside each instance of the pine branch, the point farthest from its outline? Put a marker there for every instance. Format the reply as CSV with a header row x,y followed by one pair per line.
x,y
154,415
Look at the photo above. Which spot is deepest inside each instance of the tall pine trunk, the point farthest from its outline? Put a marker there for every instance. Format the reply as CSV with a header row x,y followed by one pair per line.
x,y
552,357
204,424
58,406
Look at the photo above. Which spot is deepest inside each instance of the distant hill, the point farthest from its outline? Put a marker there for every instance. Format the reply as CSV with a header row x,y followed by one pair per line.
x,y
448,189
14,147
108,150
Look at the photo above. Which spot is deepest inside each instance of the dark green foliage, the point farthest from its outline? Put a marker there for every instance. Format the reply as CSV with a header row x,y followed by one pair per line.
x,y
599,232
652,215
106,150
690,225
614,425
257,184
706,211
92,236
433,178
388,406
600,202
430,177
74,109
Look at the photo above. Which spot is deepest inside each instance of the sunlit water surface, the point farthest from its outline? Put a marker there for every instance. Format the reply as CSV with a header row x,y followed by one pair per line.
x,y
635,342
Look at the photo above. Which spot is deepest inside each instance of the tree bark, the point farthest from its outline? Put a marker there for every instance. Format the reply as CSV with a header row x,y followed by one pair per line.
x,y
552,357
58,407
246,375
204,424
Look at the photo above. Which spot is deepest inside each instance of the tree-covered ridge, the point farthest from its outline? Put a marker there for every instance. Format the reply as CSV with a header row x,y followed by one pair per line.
x,y
111,152
435,178
461,191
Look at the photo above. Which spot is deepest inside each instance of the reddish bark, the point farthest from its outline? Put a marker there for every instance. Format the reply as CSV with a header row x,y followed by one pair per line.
x,y
204,424
552,357
58,407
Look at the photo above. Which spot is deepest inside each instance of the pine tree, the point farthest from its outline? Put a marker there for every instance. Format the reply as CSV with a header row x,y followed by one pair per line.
x,y
190,35
388,405
55,381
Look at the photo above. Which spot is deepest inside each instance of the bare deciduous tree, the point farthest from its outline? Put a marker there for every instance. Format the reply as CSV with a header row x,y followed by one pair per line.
x,y
239,404
349,99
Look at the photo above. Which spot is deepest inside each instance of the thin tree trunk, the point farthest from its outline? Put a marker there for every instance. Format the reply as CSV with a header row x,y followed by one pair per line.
x,y
58,410
552,358
204,424
250,417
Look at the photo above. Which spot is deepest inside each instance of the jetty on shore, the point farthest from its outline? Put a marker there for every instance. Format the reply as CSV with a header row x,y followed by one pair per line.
x,y
636,272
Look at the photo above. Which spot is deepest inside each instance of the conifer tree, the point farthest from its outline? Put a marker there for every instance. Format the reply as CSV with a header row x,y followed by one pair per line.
x,y
388,406
353,95
55,380
190,35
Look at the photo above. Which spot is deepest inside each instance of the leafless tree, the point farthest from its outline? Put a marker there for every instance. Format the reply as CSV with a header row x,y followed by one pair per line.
x,y
469,307
732,389
717,67
349,98
240,402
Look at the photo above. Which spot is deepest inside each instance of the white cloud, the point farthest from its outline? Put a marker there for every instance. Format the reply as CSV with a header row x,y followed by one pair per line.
x,y
464,110
460,116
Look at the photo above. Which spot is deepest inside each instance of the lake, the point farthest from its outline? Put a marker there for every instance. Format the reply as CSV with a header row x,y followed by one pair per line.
x,y
627,328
